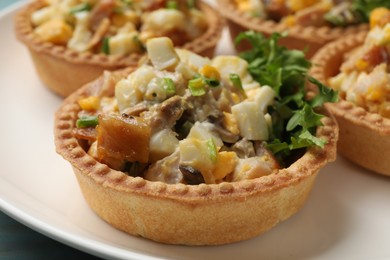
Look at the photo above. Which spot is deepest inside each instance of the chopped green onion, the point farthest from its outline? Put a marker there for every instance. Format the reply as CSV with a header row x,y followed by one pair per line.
x,y
172,5
87,121
190,4
127,2
197,87
236,80
211,82
106,45
80,8
212,149
169,86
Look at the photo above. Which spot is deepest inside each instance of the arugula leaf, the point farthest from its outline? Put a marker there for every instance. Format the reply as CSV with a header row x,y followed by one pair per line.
x,y
294,119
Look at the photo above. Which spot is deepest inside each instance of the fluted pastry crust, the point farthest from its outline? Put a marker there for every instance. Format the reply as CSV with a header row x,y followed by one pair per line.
x,y
364,136
309,38
189,214
64,70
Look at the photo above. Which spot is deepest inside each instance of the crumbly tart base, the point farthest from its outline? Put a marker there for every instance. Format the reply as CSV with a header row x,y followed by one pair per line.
x,y
364,137
189,214
64,71
309,38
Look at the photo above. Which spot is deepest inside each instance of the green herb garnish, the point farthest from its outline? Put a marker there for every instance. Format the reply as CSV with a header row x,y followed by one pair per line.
x,y
169,86
106,45
212,150
211,82
197,87
190,4
171,5
294,119
80,8
87,121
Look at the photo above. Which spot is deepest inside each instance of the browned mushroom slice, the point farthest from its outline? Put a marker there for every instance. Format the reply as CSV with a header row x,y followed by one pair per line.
x,y
166,114
124,138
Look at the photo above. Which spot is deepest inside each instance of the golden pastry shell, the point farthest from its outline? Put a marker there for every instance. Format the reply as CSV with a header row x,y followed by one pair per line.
x,y
189,214
364,136
308,38
63,70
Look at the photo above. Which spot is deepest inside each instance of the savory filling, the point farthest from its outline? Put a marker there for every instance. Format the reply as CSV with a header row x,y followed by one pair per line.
x,y
318,13
183,118
364,77
117,27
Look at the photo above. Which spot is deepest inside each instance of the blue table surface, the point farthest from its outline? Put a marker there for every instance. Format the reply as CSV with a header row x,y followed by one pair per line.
x,y
21,242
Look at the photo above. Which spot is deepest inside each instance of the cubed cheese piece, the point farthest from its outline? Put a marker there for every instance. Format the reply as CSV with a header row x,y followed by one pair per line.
x,y
42,15
162,53
251,121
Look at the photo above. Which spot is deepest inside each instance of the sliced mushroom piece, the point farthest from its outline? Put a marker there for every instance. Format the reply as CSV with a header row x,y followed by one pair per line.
x,y
191,175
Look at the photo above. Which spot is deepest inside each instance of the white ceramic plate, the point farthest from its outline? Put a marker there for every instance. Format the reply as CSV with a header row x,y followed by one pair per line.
x,y
346,216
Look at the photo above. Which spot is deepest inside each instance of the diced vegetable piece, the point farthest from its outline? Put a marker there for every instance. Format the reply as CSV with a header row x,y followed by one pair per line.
x,y
106,45
203,131
212,150
87,121
225,164
55,31
89,103
191,175
162,53
197,87
169,86
123,138
251,121
209,71
162,144
171,4
236,81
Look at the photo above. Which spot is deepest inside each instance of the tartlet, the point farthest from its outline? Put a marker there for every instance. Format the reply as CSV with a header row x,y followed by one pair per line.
x,y
63,70
364,136
207,212
309,38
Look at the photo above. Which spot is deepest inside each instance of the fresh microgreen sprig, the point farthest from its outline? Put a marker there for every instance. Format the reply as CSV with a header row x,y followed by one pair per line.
x,y
293,116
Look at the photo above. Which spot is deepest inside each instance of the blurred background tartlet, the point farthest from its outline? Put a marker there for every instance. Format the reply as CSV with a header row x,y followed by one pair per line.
x,y
358,67
73,42
310,23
